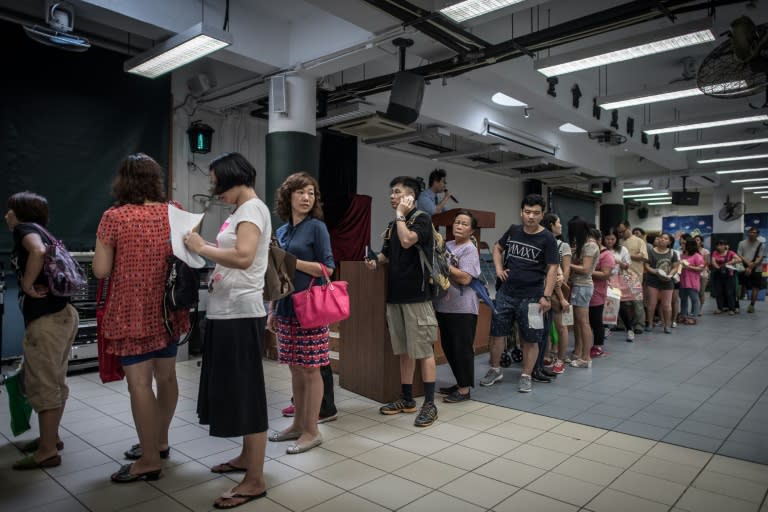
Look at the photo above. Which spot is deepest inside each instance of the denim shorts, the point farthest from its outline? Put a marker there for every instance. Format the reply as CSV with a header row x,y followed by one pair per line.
x,y
511,310
169,351
581,295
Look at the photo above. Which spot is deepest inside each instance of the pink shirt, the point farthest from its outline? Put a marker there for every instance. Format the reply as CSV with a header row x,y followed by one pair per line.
x,y
690,278
605,261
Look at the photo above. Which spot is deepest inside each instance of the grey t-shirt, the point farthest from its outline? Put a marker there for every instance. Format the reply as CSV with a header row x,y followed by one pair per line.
x,y
590,249
748,250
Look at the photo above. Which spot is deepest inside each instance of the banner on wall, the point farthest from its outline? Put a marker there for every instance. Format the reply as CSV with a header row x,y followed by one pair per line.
x,y
691,224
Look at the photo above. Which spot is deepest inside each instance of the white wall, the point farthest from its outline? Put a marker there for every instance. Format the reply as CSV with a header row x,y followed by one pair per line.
x,y
475,190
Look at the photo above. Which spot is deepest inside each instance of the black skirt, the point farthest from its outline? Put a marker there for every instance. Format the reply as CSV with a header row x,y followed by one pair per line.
x,y
232,399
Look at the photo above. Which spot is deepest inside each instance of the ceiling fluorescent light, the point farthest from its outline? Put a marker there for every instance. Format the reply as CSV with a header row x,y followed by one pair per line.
x,y
469,9
571,128
749,180
722,144
662,94
650,199
758,192
649,43
756,188
637,189
181,49
507,101
649,194
736,171
706,122
732,159
660,203
518,137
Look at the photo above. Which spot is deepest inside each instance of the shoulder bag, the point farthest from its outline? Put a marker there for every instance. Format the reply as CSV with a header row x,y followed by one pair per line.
x,y
281,266
321,305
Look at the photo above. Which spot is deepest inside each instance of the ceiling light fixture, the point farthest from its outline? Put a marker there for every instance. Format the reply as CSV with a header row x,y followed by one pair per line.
x,y
637,189
706,122
660,94
758,192
660,203
649,194
469,9
732,159
651,199
722,144
749,180
649,43
179,50
736,171
507,101
756,188
571,128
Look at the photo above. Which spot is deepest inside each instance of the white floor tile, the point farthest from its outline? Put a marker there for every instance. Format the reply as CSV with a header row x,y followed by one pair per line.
x,y
697,500
303,493
526,500
348,502
588,470
537,456
438,502
480,490
565,488
430,473
348,474
489,443
421,444
652,488
671,471
510,472
387,458
391,491
117,496
719,483
611,500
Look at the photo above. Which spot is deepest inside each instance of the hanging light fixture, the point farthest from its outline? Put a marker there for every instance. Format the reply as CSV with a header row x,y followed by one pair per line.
x,y
179,50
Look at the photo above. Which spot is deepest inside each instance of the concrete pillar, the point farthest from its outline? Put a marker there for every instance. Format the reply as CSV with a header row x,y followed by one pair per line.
x,y
291,144
612,204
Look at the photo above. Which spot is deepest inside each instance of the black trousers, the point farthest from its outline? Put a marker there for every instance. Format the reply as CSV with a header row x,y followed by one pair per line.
x,y
627,313
327,406
596,323
457,335
724,290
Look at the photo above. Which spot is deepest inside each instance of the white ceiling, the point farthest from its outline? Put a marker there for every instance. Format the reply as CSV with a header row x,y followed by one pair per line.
x,y
271,36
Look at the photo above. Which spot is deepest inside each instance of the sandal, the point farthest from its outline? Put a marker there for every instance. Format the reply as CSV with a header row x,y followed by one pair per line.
x,y
29,462
229,495
135,453
124,476
227,467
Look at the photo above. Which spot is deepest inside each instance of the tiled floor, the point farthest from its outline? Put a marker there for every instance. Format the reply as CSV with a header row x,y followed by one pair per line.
x,y
702,387
477,457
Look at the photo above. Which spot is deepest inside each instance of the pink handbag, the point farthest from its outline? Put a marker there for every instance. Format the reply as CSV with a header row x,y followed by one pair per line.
x,y
321,305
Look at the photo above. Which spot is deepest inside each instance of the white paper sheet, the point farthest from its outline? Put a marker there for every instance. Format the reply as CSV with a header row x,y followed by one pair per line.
x,y
535,318
182,223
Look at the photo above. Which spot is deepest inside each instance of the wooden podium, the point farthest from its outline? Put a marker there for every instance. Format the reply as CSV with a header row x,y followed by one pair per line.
x,y
367,365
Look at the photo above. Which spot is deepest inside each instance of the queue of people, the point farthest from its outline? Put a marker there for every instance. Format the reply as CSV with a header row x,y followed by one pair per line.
x,y
541,280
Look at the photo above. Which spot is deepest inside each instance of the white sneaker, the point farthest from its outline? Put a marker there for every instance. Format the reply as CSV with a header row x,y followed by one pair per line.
x,y
492,376
674,324
630,335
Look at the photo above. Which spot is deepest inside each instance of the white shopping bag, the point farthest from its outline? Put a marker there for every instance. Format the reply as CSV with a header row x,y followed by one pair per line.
x,y
611,307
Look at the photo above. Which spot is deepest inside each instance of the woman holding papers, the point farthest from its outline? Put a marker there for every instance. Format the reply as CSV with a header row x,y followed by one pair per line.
x,y
132,249
232,399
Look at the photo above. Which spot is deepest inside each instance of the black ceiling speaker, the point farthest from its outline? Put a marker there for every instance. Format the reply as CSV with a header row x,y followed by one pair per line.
x,y
642,212
407,89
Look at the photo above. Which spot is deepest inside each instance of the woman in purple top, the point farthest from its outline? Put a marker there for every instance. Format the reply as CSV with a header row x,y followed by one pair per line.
x,y
457,311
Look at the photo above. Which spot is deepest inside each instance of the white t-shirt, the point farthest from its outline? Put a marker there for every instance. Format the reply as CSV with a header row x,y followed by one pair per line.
x,y
621,255
236,293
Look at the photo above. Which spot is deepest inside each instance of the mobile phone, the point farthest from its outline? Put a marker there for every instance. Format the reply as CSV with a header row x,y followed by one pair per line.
x,y
370,255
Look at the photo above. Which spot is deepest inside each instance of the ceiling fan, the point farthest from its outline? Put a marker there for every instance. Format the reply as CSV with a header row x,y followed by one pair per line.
x,y
738,67
731,211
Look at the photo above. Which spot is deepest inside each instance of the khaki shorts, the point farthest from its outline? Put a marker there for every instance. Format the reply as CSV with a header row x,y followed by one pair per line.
x,y
412,329
47,344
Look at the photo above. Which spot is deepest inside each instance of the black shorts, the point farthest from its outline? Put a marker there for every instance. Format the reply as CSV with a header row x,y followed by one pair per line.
x,y
753,280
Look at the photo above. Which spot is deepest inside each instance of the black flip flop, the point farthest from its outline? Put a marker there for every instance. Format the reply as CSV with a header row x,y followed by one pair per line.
x,y
247,498
226,467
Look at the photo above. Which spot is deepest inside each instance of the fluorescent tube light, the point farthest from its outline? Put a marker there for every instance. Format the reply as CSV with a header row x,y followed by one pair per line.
x,y
637,189
650,194
736,171
707,122
763,197
650,199
749,180
649,43
756,188
507,101
469,9
571,128
757,192
722,144
732,159
661,202
179,50
664,94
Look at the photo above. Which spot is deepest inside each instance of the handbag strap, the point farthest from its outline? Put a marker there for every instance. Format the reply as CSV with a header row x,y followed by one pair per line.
x,y
100,288
326,276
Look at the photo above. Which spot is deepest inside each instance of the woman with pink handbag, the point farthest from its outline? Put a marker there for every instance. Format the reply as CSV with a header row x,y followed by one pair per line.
x,y
304,349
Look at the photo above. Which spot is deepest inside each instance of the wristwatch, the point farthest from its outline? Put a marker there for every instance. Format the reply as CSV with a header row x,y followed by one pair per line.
x,y
400,218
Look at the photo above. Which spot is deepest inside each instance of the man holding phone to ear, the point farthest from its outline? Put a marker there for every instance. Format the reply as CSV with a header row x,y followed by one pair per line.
x,y
410,317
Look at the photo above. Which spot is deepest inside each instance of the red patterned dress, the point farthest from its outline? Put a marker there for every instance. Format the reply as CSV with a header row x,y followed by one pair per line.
x,y
140,237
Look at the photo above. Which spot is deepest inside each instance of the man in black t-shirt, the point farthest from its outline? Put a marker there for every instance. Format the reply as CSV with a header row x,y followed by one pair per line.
x,y
410,316
526,261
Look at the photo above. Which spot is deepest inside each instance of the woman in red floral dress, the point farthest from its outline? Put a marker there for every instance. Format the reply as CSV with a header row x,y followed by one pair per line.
x,y
132,249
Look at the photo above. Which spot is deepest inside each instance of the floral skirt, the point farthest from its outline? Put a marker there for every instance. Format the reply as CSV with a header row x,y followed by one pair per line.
x,y
302,347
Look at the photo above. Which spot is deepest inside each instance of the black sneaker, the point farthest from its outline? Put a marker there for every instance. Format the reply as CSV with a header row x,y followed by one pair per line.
x,y
456,397
427,415
549,373
448,390
398,406
537,376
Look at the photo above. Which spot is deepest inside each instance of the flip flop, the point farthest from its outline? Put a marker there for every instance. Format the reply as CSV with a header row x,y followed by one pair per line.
x,y
226,467
29,462
34,444
229,495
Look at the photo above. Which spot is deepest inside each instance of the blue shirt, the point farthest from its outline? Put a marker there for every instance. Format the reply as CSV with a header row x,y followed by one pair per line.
x,y
427,201
309,241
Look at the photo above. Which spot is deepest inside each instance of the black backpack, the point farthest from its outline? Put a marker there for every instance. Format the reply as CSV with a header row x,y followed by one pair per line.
x,y
182,286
